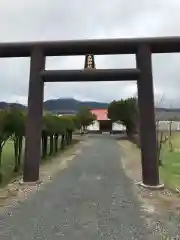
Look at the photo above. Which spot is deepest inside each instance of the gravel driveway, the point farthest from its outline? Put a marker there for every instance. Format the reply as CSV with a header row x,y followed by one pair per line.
x,y
91,199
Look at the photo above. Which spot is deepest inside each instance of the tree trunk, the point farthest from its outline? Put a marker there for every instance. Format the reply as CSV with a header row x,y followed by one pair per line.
x,y
56,142
130,128
82,130
51,145
66,138
44,145
70,137
16,146
59,144
159,149
159,143
62,141
128,131
17,152
20,151
1,176
170,137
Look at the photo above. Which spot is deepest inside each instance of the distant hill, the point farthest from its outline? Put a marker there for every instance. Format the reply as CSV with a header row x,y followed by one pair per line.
x,y
61,105
4,105
70,105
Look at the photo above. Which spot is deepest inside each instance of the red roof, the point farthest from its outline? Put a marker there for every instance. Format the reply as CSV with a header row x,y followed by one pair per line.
x,y
101,114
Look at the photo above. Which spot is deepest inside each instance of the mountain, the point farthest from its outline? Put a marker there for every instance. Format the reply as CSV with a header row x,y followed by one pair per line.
x,y
4,105
61,105
70,105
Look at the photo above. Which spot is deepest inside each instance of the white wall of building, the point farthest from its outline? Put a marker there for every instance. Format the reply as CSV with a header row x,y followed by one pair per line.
x,y
118,127
94,126
115,127
163,125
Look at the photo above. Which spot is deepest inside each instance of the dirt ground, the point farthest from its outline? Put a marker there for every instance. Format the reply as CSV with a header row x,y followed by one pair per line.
x,y
156,202
162,207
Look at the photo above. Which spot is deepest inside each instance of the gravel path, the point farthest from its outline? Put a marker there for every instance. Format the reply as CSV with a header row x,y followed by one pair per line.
x,y
92,199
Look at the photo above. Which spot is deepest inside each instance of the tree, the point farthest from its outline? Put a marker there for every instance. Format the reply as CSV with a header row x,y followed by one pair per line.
x,y
171,119
4,135
48,131
85,118
44,136
59,129
169,138
12,126
160,138
69,126
76,122
16,127
53,127
125,111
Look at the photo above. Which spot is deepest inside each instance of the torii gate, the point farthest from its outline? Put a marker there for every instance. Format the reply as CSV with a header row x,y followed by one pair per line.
x,y
141,47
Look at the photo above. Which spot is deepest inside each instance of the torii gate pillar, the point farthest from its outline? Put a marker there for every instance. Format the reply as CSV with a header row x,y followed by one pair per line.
x,y
34,117
150,172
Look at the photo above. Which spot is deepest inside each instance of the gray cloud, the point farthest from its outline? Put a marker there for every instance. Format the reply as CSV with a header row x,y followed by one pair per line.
x,y
56,20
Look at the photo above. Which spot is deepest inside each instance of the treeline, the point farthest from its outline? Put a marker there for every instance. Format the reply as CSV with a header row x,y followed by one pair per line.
x,y
57,132
125,111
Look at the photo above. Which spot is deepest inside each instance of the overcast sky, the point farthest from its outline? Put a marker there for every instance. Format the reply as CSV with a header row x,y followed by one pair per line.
x,y
30,20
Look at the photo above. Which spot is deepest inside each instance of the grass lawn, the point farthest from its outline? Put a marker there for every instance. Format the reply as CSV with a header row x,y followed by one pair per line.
x,y
170,171
8,161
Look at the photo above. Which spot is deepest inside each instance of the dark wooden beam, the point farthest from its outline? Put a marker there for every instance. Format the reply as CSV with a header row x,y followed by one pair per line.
x,y
34,118
89,75
150,172
94,46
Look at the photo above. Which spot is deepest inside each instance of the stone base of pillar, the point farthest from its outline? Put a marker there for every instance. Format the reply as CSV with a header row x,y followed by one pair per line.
x,y
158,187
21,182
